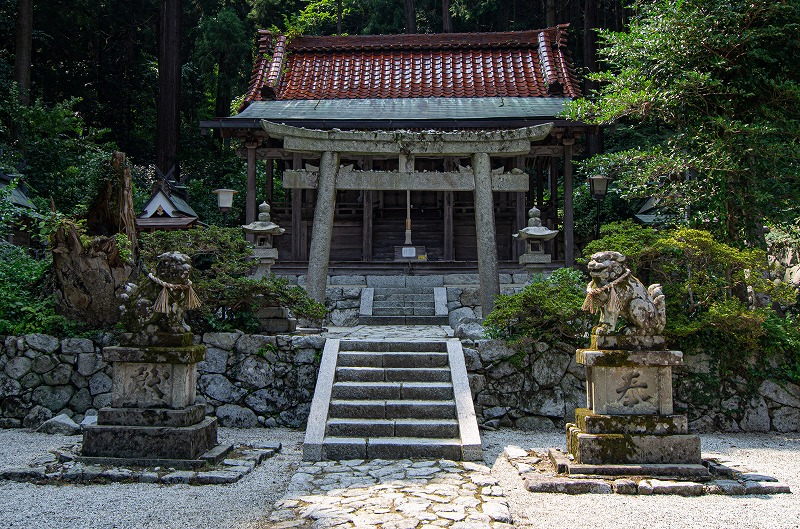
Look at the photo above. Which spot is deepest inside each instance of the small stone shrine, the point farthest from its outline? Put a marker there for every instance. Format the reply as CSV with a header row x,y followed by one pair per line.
x,y
629,417
534,235
153,413
263,230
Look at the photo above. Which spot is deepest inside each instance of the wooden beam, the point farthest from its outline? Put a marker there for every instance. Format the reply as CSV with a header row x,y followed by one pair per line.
x,y
270,179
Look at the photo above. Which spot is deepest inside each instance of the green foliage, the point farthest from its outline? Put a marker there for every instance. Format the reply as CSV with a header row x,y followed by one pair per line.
x,y
549,308
24,306
220,258
712,85
625,237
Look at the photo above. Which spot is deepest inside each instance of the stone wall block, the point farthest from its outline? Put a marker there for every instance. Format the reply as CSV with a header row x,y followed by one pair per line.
x,y
472,359
36,416
10,346
470,297
101,401
786,419
219,388
495,412
76,346
786,393
756,416
216,360
534,423
100,383
81,401
306,356
236,416
477,383
549,368
351,293
455,317
267,401
494,350
58,376
44,363
90,363
221,340
54,398
42,342
297,417
9,386
344,317
78,380
502,372
31,380
18,367
548,403
251,344
14,407
348,304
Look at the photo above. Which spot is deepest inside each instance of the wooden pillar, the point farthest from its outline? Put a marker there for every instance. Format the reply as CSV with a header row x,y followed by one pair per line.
x,y
447,214
485,232
520,218
554,203
270,183
366,239
298,248
317,279
250,205
539,187
569,224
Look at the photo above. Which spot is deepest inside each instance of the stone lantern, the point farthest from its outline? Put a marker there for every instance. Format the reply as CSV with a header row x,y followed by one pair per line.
x,y
534,236
263,230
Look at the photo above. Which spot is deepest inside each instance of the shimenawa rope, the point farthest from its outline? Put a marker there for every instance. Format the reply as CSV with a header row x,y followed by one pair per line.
x,y
162,303
591,305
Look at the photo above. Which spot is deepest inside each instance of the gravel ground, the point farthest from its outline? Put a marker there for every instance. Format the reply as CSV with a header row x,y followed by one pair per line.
x,y
245,504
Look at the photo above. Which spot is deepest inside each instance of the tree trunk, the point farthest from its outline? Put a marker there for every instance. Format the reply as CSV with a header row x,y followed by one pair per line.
x,y
169,86
551,13
447,19
594,140
410,13
338,17
23,50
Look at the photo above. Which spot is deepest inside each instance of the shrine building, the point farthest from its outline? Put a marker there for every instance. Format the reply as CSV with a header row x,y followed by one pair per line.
x,y
410,153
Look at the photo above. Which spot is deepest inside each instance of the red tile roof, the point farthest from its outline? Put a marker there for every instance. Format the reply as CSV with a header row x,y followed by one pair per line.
x,y
511,64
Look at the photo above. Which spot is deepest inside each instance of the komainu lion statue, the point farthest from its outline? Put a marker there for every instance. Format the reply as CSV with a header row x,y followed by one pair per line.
x,y
615,293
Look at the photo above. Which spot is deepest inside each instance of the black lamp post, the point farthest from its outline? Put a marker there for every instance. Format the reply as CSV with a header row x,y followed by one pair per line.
x,y
224,202
598,186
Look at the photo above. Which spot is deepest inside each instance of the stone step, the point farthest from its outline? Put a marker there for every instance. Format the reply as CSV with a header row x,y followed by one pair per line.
x,y
386,346
407,359
392,374
391,409
430,428
338,448
402,304
404,312
402,320
393,390
421,298
403,291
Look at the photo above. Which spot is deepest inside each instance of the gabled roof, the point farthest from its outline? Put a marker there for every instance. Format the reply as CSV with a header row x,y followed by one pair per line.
x,y
455,65
19,195
171,205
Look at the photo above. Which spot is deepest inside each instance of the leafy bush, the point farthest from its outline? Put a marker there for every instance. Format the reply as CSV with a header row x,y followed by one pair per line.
x,y
220,259
549,308
23,306
625,237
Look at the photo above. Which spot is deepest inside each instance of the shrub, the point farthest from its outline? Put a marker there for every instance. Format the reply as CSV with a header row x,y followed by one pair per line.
x,y
221,260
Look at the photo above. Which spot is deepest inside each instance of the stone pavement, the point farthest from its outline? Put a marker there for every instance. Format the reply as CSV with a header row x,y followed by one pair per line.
x,y
391,332
400,494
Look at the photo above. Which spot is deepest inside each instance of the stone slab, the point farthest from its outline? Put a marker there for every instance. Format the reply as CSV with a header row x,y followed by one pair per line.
x,y
154,384
159,442
620,358
603,449
682,488
627,342
629,390
568,486
151,416
594,423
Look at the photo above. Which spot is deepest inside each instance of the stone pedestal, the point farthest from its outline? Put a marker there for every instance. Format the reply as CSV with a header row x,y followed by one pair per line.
x,y
275,320
153,415
629,418
265,257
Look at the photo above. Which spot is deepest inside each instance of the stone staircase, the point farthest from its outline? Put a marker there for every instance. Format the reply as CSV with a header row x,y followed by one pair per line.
x,y
392,400
403,306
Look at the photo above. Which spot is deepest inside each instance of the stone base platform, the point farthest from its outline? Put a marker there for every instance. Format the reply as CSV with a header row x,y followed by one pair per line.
x,y
554,472
150,442
616,448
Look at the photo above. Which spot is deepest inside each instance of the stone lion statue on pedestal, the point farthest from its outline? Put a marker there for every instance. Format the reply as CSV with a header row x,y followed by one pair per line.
x,y
616,294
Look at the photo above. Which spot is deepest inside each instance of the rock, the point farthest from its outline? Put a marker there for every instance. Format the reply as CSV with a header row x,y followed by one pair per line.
x,y
307,356
494,350
236,417
180,476
81,401
58,376
89,420
219,388
267,401
31,380
514,452
469,331
216,359
36,416
568,486
497,511
18,367
90,363
728,487
76,346
60,424
786,419
254,371
495,412
100,383
682,488
472,359
310,341
101,401
43,364
625,486
549,368
250,344
549,403
217,477
42,342
54,398
221,340
756,416
457,316
9,386
765,487
344,317
539,424
787,394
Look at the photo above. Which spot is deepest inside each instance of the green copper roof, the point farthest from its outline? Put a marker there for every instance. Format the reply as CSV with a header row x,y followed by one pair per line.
x,y
407,109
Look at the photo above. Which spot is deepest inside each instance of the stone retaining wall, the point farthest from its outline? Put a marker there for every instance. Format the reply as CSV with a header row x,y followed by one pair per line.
x,y
251,380
246,380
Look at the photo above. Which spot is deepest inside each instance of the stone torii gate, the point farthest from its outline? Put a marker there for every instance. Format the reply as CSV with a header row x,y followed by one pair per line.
x,y
480,179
